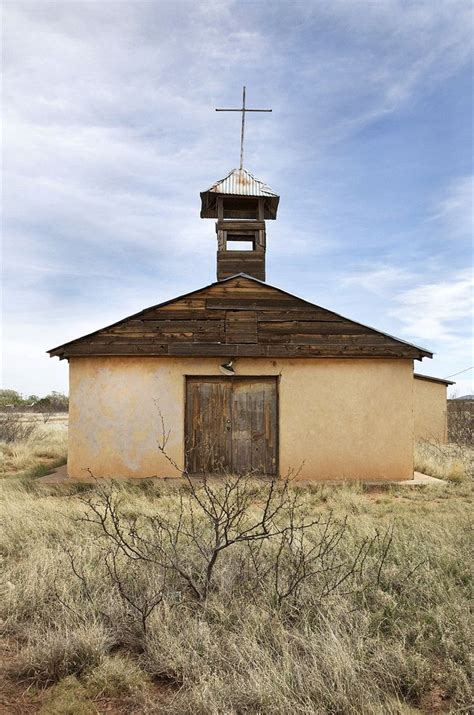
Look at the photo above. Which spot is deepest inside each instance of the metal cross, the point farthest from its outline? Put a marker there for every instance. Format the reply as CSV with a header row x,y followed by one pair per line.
x,y
243,109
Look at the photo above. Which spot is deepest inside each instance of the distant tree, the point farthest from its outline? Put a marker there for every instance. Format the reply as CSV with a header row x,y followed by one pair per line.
x,y
10,397
13,400
54,402
59,399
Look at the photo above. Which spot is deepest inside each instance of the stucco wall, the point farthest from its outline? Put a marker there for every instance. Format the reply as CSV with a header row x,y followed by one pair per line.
x,y
430,410
339,419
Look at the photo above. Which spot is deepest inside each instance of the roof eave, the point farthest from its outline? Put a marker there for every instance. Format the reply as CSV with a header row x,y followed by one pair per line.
x,y
209,203
430,378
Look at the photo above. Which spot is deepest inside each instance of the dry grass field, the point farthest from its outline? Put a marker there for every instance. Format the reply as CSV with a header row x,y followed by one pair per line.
x,y
453,462
44,449
346,601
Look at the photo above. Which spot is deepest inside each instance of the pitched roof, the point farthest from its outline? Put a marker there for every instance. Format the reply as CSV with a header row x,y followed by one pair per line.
x,y
239,316
239,182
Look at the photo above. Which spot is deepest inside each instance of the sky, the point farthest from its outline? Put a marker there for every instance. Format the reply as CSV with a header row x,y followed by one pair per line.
x,y
110,134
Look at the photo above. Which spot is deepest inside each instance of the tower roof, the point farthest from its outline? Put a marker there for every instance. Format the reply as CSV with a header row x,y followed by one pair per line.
x,y
239,182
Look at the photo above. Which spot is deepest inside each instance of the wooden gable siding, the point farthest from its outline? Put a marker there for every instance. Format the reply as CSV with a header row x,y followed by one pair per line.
x,y
239,317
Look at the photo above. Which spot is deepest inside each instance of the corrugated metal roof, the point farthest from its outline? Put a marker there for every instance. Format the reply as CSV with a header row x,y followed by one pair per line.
x,y
242,183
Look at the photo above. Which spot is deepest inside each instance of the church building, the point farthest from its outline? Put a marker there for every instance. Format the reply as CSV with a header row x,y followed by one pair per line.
x,y
245,376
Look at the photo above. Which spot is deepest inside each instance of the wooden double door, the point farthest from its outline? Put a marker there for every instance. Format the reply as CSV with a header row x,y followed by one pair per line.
x,y
231,425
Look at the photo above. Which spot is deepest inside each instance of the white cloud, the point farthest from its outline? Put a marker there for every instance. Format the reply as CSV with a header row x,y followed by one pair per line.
x,y
433,311
399,51
455,209
381,279
110,134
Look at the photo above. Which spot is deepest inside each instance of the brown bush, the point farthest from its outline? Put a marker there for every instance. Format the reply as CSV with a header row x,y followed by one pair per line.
x,y
460,421
55,655
15,428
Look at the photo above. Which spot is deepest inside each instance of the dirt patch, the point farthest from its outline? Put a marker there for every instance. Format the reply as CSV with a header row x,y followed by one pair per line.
x,y
15,698
435,702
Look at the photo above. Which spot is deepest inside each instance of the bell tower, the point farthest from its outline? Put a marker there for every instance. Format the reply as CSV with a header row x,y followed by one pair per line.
x,y
241,204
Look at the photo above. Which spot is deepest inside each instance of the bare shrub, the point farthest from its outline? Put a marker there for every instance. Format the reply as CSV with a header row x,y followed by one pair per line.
x,y
46,442
452,462
461,421
15,428
259,535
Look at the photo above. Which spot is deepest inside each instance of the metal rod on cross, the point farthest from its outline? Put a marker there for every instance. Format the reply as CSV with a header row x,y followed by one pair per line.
x,y
243,109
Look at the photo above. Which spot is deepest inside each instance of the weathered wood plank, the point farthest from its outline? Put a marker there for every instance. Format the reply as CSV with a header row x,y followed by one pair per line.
x,y
254,427
194,314
336,341
183,304
233,267
152,338
244,293
299,312
259,350
240,258
241,316
139,339
236,225
84,349
208,433
233,262
240,350
241,327
169,326
248,303
293,327
241,429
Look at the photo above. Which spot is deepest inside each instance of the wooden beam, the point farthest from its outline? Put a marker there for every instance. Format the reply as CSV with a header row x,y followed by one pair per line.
x,y
249,304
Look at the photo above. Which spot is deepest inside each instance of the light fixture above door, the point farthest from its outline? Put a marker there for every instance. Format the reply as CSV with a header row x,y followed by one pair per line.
x,y
227,368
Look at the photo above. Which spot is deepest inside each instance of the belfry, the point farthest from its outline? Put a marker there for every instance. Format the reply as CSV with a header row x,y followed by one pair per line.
x,y
241,203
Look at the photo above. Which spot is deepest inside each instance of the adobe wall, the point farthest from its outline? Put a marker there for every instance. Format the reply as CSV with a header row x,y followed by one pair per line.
x,y
339,418
430,410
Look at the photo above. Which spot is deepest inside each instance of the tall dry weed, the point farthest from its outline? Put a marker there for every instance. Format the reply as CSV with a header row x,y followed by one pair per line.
x,y
45,444
382,648
453,462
